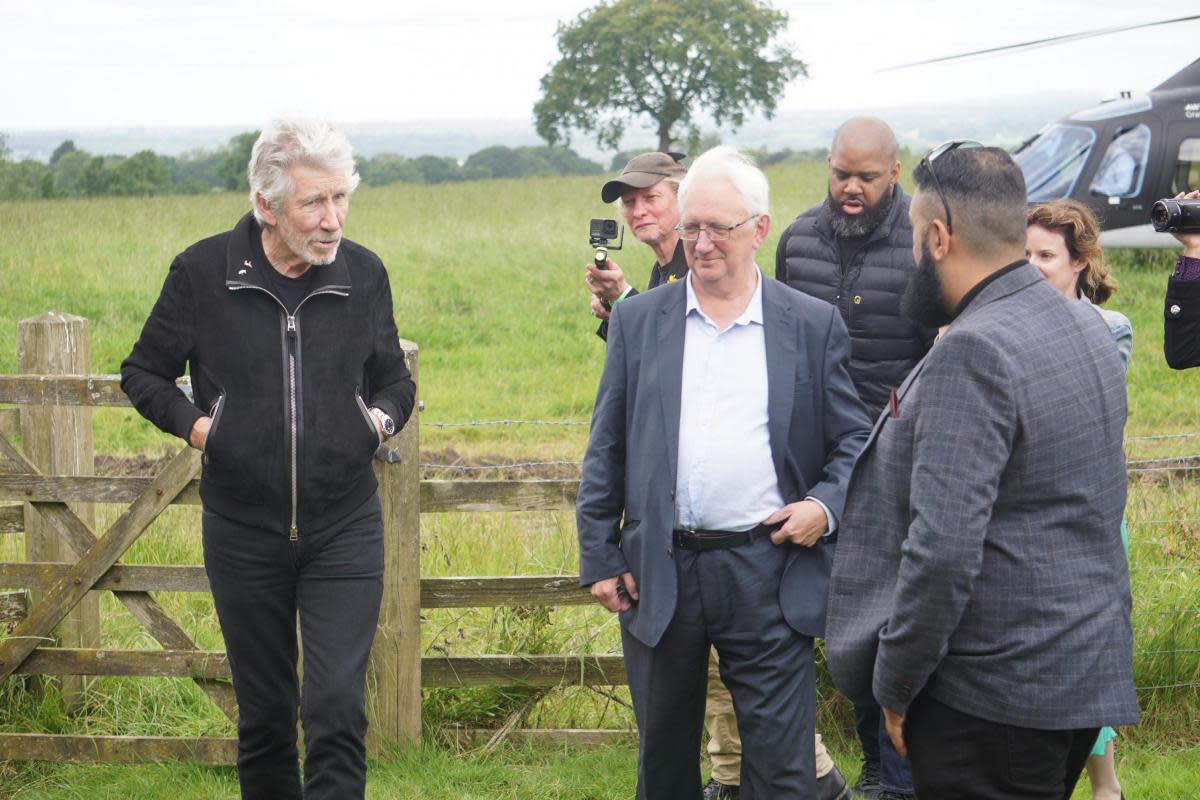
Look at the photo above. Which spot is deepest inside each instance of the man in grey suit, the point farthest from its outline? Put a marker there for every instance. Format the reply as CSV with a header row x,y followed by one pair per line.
x,y
725,428
980,591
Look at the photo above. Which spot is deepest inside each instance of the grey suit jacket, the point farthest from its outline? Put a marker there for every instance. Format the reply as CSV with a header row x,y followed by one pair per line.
x,y
980,553
626,505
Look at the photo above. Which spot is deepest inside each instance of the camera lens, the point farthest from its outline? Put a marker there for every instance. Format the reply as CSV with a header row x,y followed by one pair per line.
x,y
1164,214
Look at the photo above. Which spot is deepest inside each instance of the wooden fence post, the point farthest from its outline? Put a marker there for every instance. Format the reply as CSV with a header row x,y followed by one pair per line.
x,y
58,440
394,677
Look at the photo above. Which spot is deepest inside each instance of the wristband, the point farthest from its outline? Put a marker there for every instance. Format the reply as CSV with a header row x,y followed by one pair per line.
x,y
624,294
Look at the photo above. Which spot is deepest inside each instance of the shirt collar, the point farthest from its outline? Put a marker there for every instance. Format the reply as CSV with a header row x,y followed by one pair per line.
x,y
753,312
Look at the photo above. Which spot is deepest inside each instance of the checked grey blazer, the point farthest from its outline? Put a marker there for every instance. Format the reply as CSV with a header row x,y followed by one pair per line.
x,y
980,556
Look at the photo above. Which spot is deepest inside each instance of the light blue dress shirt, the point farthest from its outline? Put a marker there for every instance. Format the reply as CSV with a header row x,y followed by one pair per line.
x,y
726,479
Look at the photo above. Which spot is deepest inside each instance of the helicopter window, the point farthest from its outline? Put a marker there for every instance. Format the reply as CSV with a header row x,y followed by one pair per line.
x,y
1187,167
1052,162
1124,165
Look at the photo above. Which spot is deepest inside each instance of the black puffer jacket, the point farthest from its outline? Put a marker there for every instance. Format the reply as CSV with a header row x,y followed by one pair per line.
x,y
291,439
884,346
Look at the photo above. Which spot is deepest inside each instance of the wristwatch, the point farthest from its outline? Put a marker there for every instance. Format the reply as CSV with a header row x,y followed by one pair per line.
x,y
385,422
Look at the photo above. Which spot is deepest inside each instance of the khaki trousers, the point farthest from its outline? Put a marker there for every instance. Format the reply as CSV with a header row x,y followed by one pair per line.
x,y
724,744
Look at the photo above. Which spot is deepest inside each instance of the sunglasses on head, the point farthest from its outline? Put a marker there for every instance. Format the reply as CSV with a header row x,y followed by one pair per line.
x,y
932,156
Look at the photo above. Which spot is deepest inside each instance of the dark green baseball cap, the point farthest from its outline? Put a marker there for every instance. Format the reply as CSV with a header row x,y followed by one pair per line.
x,y
642,171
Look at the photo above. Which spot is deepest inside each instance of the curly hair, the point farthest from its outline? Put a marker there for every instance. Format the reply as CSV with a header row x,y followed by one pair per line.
x,y
1078,226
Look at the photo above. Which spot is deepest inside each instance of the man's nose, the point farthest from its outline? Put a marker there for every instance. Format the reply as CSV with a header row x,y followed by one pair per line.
x,y
331,219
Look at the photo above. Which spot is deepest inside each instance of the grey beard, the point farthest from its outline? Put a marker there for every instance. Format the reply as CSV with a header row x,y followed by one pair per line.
x,y
856,226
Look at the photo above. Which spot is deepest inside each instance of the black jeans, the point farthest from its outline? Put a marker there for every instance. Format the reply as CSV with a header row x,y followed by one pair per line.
x,y
956,755
728,599
332,579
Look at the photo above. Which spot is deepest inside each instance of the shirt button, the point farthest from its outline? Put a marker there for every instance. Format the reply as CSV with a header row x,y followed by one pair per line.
x,y
1174,310
670,553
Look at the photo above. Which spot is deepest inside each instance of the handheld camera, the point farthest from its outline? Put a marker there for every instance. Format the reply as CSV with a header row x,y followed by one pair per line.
x,y
1176,216
600,233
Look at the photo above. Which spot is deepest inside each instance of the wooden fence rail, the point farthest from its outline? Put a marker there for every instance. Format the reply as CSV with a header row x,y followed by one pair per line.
x,y
33,497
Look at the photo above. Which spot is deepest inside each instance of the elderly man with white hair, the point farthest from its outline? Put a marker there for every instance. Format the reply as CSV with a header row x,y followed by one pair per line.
x,y
297,374
725,429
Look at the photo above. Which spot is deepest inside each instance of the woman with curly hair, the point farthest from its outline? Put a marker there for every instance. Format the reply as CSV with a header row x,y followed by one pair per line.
x,y
1063,241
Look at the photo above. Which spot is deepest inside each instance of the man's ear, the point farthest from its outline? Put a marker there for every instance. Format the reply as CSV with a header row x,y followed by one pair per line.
x,y
264,209
937,236
895,172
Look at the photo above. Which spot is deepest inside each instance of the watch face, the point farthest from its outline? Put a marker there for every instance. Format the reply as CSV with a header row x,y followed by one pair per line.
x,y
389,427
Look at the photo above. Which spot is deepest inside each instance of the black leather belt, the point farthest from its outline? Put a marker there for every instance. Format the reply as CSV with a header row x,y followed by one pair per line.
x,y
718,540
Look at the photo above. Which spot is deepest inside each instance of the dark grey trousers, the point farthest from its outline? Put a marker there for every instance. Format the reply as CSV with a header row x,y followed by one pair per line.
x,y
333,579
728,599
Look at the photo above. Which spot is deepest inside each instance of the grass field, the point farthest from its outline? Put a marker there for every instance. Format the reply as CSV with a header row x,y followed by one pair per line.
x,y
487,279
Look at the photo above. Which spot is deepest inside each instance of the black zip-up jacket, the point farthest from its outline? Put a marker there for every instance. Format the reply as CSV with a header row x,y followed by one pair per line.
x,y
884,345
291,440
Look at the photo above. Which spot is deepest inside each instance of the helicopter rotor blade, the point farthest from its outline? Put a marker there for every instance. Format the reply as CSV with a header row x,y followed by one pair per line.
x,y
1047,42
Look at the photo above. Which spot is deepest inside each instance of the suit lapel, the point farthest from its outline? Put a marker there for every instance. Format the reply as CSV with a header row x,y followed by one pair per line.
x,y
669,356
779,337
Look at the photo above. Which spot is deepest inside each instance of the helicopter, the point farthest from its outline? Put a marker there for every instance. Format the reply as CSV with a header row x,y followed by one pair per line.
x,y
1120,156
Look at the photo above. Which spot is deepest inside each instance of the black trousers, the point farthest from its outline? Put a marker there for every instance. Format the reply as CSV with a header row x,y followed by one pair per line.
x,y
956,755
728,599
332,579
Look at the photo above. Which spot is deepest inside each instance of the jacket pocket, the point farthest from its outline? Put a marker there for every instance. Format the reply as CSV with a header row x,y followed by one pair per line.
x,y
367,415
218,408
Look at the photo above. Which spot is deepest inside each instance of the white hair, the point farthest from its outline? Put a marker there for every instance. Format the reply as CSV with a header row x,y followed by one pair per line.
x,y
728,163
287,142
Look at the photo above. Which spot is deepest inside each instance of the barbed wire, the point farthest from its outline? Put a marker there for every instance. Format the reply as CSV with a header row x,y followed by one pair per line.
x,y
515,465
477,423
1156,436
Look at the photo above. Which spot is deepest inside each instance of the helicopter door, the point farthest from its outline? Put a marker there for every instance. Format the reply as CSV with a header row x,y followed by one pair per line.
x,y
1117,189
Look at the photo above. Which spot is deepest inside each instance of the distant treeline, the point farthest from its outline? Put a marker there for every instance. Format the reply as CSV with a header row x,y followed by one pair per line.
x,y
72,172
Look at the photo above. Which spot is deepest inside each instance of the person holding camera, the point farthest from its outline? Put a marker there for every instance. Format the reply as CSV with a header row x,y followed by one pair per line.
x,y
647,189
1181,311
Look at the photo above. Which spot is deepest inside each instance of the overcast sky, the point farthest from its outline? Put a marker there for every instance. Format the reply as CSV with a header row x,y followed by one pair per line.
x,y
99,63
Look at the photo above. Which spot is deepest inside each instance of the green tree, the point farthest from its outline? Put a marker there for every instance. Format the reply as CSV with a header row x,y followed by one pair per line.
x,y
70,174
3,147
388,168
665,61
143,173
68,146
24,180
438,170
237,159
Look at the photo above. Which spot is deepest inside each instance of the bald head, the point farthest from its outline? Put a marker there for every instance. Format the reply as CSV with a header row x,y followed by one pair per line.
x,y
866,134
863,171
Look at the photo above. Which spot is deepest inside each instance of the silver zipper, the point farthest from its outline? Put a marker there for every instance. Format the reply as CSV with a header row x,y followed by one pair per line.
x,y
293,332
293,531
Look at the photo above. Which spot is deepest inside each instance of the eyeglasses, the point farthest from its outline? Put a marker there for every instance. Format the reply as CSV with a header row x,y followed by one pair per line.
x,y
934,155
716,233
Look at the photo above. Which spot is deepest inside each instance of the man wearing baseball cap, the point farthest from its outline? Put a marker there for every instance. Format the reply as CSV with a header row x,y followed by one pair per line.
x,y
646,189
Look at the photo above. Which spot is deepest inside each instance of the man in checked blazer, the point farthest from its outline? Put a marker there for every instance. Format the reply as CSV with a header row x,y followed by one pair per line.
x,y
724,431
980,591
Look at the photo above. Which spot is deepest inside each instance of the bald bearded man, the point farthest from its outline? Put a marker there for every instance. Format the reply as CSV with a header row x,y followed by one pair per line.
x,y
854,250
